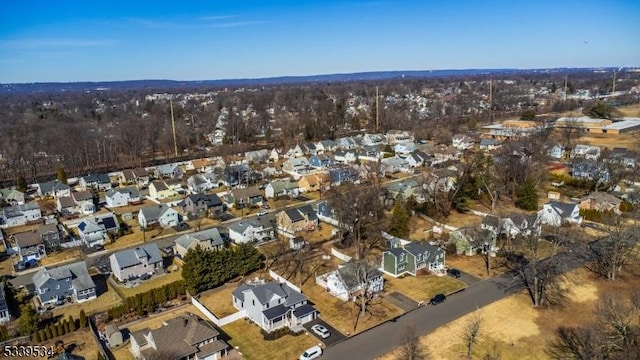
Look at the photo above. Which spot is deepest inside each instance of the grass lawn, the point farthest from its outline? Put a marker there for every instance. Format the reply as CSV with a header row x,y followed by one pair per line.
x,y
132,208
517,329
136,236
19,229
60,256
218,301
459,220
156,321
205,222
320,235
85,344
122,353
248,339
342,315
628,140
422,288
630,110
102,303
474,265
6,266
155,282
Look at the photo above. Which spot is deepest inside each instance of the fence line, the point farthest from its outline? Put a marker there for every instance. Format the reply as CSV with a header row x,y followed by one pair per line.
x,y
339,255
281,279
218,321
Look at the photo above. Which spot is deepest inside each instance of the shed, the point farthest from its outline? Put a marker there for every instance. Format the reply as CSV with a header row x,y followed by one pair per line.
x,y
113,335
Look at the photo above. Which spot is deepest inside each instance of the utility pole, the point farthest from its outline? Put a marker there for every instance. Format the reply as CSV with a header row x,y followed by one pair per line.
x,y
173,126
566,81
377,111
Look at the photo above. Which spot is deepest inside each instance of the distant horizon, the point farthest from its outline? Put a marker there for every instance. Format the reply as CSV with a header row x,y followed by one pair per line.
x,y
43,41
329,75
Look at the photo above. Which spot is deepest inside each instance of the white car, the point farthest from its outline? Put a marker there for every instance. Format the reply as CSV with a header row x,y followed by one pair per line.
x,y
262,212
321,331
311,353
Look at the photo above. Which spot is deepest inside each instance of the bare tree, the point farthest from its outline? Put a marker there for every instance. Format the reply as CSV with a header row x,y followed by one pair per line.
x,y
411,348
580,343
366,294
616,250
570,131
471,333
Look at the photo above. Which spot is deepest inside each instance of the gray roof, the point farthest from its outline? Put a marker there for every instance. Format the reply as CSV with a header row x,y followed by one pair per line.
x,y
351,273
77,271
265,292
491,220
131,190
28,238
50,186
211,235
153,213
134,256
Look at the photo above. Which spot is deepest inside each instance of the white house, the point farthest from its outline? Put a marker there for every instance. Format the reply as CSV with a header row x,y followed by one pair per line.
x,y
555,213
556,152
350,279
20,214
122,196
281,187
345,156
404,148
462,142
158,214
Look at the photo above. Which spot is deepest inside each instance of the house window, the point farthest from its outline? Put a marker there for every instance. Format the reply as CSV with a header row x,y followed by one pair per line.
x,y
253,302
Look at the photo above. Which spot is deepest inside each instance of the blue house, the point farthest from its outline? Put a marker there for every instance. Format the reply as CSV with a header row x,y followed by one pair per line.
x,y
320,161
70,281
343,175
589,170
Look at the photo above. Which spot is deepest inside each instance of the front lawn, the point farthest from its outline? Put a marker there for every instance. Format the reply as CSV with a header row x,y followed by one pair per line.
x,y
61,256
422,288
249,341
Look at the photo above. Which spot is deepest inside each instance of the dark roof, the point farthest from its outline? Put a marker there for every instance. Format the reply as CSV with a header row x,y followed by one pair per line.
x,y
97,178
396,251
294,215
562,208
134,256
275,312
491,220
303,310
211,200
28,238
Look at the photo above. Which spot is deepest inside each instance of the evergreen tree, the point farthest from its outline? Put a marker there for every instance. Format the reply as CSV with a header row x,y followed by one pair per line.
x,y
29,320
83,319
4,334
36,337
48,332
399,220
61,175
72,324
21,183
195,270
43,335
528,195
54,330
66,327
60,327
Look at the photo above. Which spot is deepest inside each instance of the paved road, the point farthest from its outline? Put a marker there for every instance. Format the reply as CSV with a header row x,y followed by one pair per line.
x,y
336,336
388,336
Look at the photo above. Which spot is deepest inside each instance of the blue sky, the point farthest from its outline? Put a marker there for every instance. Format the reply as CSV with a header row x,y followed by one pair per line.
x,y
197,40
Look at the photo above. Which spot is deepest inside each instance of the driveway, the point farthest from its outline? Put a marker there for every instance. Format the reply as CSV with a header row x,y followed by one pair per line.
x,y
400,300
467,278
336,336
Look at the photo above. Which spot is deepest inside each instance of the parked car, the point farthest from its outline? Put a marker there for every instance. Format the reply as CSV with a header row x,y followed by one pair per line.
x,y
262,212
454,273
440,298
145,277
311,353
321,331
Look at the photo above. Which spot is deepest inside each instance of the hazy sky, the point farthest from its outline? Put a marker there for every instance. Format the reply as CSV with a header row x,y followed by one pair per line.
x,y
58,40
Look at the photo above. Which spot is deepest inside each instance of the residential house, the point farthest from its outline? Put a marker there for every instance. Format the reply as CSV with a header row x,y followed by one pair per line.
x,y
395,164
200,183
325,213
411,258
345,156
512,225
239,175
371,153
281,187
5,316
251,196
346,143
590,170
95,230
20,214
66,206
256,229
620,155
273,305
71,281
84,202
138,177
314,182
445,153
11,196
405,189
161,190
489,144
132,263
601,202
462,142
292,220
162,215
344,175
557,152
204,165
297,243
172,171
30,246
585,151
556,213
296,166
404,148
257,156
320,161
209,239
50,234
491,223
53,188
186,337
418,159
325,145
122,196
100,182
373,139
351,280
113,335
201,204
398,136
471,240
275,155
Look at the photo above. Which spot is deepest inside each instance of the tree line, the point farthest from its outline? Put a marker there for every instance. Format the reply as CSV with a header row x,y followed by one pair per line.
x,y
144,303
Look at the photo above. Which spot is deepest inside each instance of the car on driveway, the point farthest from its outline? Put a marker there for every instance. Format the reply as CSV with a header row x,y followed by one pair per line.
x,y
454,273
440,298
321,331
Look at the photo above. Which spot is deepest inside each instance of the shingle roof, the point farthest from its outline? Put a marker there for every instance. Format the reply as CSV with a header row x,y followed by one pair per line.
x,y
351,273
491,220
265,292
78,271
211,236
134,256
66,201
153,213
28,238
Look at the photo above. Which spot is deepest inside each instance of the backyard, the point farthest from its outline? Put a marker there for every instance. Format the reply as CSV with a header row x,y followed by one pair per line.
x,y
219,301
102,303
155,281
82,342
